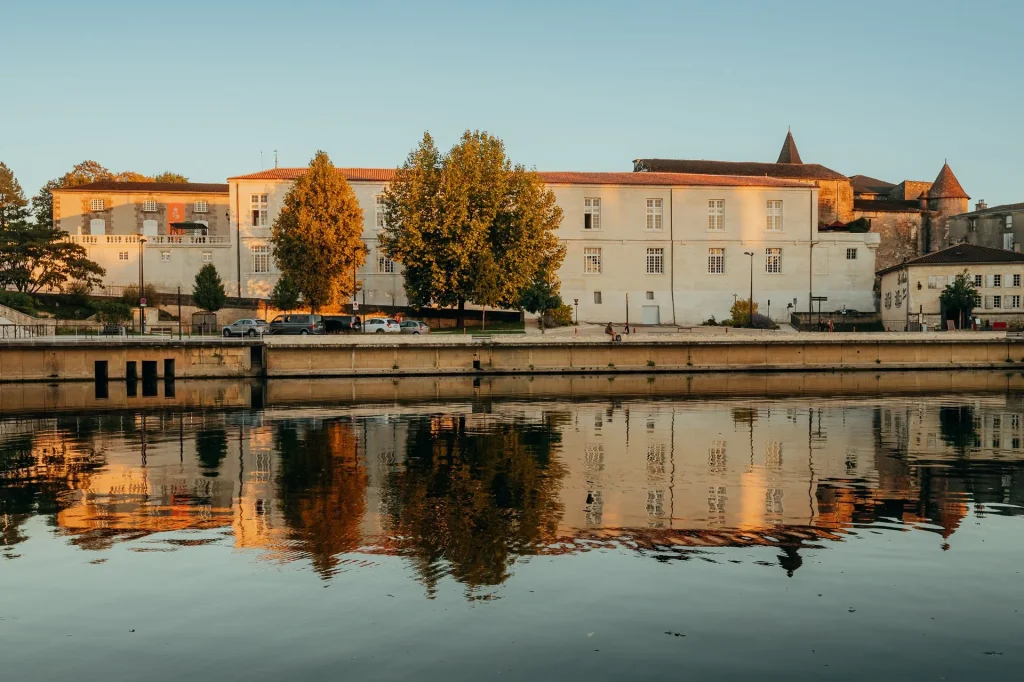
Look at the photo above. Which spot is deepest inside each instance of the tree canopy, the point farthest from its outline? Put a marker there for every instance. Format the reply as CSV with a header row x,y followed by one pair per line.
x,y
13,205
38,258
468,225
958,298
285,295
208,290
317,237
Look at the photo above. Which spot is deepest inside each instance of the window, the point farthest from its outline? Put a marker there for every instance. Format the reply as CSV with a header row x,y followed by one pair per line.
x,y
385,265
259,210
597,297
977,280
165,256
1014,302
378,211
977,301
97,226
656,261
122,255
774,215
773,261
654,214
1008,241
1009,222
650,295
997,280
591,261
149,206
851,254
261,259
96,205
1016,280
591,214
200,207
997,301
716,261
149,228
716,215
207,256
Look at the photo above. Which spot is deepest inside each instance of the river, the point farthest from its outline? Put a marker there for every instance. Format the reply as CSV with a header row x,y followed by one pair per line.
x,y
820,527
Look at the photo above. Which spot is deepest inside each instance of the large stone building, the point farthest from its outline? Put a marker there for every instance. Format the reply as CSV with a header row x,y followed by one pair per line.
x,y
175,227
668,248
998,227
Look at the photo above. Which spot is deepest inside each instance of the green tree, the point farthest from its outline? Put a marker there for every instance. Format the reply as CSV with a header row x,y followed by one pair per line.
x,y
168,176
208,290
542,295
958,298
740,311
449,216
130,294
13,205
35,258
285,295
317,237
113,312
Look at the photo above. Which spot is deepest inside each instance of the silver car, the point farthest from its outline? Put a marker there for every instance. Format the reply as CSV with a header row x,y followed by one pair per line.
x,y
247,327
414,327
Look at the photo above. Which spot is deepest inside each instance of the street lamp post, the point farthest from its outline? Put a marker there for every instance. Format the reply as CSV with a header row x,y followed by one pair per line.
x,y
142,287
576,302
750,303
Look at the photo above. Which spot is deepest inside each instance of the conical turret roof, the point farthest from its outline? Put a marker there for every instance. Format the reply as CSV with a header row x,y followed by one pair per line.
x,y
946,186
789,153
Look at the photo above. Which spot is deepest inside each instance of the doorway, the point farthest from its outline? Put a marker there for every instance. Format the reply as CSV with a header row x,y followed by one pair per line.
x,y
650,314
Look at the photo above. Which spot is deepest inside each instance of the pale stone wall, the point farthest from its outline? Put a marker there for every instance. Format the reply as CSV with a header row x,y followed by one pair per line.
x,y
987,229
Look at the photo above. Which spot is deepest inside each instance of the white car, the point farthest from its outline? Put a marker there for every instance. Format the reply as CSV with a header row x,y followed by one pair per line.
x,y
381,325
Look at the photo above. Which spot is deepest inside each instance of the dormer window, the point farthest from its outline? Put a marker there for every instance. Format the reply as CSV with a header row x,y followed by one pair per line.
x,y
149,206
96,204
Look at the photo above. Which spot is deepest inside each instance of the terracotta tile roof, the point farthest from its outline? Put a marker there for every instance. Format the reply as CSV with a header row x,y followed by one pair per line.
x,y
789,153
114,186
795,171
886,206
866,183
666,179
351,174
962,254
946,186
563,178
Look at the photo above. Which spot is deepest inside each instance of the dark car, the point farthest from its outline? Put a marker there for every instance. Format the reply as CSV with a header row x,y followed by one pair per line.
x,y
297,324
342,324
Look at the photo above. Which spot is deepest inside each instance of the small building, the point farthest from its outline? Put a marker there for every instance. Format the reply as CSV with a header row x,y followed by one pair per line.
x,y
998,227
910,291
175,227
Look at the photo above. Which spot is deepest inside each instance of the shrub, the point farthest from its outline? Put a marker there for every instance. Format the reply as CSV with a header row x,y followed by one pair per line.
x,y
763,322
710,322
20,301
740,311
113,312
559,317
130,295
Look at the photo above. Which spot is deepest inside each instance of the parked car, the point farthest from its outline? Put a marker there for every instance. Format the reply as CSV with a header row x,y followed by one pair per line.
x,y
247,327
414,327
342,324
297,324
381,325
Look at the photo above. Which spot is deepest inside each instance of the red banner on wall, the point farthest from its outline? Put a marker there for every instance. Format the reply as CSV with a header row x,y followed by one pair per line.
x,y
175,214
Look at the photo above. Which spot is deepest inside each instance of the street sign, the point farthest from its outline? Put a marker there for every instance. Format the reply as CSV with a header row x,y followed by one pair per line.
x,y
142,303
355,306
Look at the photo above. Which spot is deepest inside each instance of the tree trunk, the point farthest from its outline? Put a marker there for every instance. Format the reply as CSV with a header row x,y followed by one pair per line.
x,y
460,319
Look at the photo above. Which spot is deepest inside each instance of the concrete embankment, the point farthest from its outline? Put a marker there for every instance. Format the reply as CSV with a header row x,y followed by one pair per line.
x,y
57,359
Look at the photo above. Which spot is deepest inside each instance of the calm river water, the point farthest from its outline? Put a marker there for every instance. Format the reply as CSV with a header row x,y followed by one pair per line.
x,y
586,529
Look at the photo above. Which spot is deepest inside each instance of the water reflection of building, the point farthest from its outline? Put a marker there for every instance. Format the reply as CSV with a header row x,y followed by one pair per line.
x,y
466,489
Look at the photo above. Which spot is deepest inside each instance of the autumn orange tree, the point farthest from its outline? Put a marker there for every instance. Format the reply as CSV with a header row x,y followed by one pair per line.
x,y
469,225
317,237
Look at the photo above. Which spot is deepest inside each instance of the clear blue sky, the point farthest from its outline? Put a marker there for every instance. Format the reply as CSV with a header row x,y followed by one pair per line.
x,y
888,89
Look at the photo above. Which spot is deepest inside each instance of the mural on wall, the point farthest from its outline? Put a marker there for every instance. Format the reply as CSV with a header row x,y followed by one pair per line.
x,y
175,214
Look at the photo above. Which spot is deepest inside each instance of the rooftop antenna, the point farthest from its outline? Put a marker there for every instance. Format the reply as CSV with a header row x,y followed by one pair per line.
x,y
275,158
261,159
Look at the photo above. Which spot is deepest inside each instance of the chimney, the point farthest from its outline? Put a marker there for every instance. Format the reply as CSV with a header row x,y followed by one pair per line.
x,y
981,205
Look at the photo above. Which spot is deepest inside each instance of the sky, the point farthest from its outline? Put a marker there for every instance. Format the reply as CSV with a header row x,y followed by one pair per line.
x,y
210,89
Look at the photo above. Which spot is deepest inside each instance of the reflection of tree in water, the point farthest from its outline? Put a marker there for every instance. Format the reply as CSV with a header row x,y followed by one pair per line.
x,y
322,489
472,500
956,424
211,449
36,479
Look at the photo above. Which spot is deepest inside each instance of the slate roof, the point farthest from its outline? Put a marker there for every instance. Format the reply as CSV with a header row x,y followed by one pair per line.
x,y
962,254
183,187
789,153
1004,208
866,183
793,171
886,206
946,186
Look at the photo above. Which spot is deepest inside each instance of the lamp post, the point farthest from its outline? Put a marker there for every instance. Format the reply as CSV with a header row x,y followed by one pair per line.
x,y
576,302
142,286
750,303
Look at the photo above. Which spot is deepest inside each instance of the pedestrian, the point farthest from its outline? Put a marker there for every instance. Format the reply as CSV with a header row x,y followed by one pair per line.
x,y
627,329
610,331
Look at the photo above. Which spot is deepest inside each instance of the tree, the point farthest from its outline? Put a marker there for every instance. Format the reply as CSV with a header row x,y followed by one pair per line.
x,y
130,294
446,217
13,205
740,311
168,176
208,291
317,237
958,298
285,295
113,312
542,295
36,257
